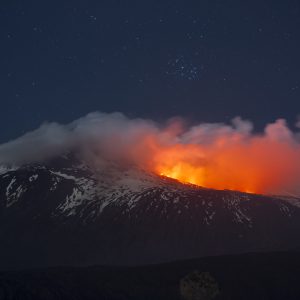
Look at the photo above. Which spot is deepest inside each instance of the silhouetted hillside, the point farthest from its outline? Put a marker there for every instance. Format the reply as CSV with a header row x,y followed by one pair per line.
x,y
251,276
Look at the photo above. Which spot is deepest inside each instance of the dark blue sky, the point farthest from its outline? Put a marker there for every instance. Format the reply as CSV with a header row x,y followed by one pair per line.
x,y
203,60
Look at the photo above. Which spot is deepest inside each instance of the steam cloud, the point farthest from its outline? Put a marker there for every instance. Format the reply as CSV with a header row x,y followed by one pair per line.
x,y
210,154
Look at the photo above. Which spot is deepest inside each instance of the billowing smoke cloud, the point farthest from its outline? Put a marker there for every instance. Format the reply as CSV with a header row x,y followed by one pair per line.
x,y
105,134
209,154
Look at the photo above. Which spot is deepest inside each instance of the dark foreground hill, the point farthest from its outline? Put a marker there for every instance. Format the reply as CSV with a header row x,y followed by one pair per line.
x,y
248,276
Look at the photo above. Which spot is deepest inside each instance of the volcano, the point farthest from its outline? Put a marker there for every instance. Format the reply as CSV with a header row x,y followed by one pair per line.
x,y
63,212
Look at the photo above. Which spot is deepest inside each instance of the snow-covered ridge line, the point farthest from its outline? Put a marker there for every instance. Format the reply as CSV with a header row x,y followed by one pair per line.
x,y
291,200
4,169
66,176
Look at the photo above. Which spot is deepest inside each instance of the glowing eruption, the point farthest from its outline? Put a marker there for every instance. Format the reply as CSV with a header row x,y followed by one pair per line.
x,y
221,170
227,158
182,163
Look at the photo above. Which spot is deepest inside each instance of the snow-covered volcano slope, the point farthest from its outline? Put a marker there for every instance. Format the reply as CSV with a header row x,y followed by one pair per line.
x,y
63,212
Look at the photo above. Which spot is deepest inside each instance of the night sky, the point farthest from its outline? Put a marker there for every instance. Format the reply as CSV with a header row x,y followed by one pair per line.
x,y
207,61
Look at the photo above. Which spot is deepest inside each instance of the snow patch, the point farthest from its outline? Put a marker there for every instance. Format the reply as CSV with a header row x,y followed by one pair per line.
x,y
66,176
10,186
33,177
233,203
13,197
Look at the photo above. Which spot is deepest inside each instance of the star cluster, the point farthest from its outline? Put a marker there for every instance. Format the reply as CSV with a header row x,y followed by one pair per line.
x,y
184,69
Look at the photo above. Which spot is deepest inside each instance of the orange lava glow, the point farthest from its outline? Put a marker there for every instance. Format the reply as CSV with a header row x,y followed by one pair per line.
x,y
213,155
172,163
188,164
256,165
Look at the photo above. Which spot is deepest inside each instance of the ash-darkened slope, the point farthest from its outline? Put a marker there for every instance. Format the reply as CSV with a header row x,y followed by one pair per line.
x,y
64,213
